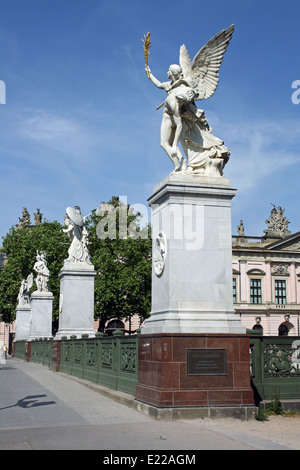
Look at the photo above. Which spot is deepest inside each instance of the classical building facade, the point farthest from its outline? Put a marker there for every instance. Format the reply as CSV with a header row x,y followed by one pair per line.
x,y
266,275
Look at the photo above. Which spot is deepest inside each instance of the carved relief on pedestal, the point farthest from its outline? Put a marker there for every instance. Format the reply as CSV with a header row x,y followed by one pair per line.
x,y
159,256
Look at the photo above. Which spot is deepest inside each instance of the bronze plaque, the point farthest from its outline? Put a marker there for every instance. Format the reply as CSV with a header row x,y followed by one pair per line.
x,y
206,362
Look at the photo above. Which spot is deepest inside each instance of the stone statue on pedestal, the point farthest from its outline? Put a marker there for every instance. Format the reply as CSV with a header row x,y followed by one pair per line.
x,y
41,302
76,301
40,267
182,121
24,295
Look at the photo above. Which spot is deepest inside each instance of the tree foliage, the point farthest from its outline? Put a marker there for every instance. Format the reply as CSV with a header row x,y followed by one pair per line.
x,y
20,247
121,255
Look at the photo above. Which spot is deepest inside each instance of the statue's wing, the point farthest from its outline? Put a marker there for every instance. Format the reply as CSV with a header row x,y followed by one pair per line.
x,y
204,70
185,63
29,281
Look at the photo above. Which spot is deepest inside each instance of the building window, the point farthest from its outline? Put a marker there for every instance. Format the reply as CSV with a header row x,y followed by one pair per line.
x,y
234,290
280,292
255,291
114,325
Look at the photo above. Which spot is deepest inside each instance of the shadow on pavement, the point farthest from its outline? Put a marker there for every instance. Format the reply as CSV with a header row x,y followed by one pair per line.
x,y
30,401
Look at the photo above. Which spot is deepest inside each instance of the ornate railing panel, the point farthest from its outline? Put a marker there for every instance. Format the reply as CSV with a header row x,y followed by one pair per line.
x,y
109,361
275,367
41,351
20,349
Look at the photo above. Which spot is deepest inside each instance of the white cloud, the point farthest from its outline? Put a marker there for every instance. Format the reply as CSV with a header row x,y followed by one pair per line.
x,y
260,150
59,133
263,167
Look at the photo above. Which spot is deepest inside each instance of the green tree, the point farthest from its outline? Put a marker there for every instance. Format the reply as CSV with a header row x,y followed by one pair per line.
x,y
121,253
20,247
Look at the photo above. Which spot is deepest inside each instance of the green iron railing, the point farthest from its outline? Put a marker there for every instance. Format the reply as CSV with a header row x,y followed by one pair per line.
x,y
41,351
20,349
275,367
111,361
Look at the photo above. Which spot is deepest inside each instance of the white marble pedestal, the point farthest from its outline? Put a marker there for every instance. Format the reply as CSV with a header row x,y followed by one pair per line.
x,y
41,315
76,310
23,314
192,257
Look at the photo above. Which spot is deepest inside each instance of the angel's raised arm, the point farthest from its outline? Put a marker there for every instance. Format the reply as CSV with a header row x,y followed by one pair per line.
x,y
157,83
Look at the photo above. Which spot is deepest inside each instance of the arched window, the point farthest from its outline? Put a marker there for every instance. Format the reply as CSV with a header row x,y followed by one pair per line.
x,y
114,325
285,327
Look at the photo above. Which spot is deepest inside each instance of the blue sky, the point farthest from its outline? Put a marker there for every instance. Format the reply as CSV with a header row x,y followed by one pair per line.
x,y
80,122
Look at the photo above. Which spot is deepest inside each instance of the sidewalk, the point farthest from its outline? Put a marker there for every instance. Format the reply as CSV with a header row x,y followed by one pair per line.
x,y
43,410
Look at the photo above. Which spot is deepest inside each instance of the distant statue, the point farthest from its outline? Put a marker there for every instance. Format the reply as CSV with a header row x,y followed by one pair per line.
x,y
257,325
182,121
240,229
2,355
38,217
277,223
40,267
285,327
24,295
25,220
78,234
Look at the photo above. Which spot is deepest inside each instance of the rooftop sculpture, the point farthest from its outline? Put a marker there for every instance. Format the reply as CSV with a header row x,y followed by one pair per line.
x,y
38,217
277,223
24,221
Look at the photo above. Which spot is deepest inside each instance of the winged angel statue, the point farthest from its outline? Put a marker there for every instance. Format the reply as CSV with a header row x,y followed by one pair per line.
x,y
182,121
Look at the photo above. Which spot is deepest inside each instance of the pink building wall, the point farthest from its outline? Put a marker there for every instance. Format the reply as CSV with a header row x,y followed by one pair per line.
x,y
272,315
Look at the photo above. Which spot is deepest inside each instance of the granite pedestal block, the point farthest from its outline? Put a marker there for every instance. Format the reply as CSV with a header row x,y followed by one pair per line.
x,y
76,311
41,315
23,316
194,370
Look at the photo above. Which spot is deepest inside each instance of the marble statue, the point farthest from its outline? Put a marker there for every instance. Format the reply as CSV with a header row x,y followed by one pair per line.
x,y
40,267
78,234
24,295
182,121
25,220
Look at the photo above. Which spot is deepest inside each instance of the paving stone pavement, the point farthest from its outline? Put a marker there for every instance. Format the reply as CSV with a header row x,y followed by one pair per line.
x,y
43,410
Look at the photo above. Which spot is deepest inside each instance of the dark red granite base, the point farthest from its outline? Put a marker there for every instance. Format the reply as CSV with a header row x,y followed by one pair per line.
x,y
56,355
163,379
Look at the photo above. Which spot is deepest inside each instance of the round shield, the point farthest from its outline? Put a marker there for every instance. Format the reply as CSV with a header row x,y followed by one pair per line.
x,y
75,215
